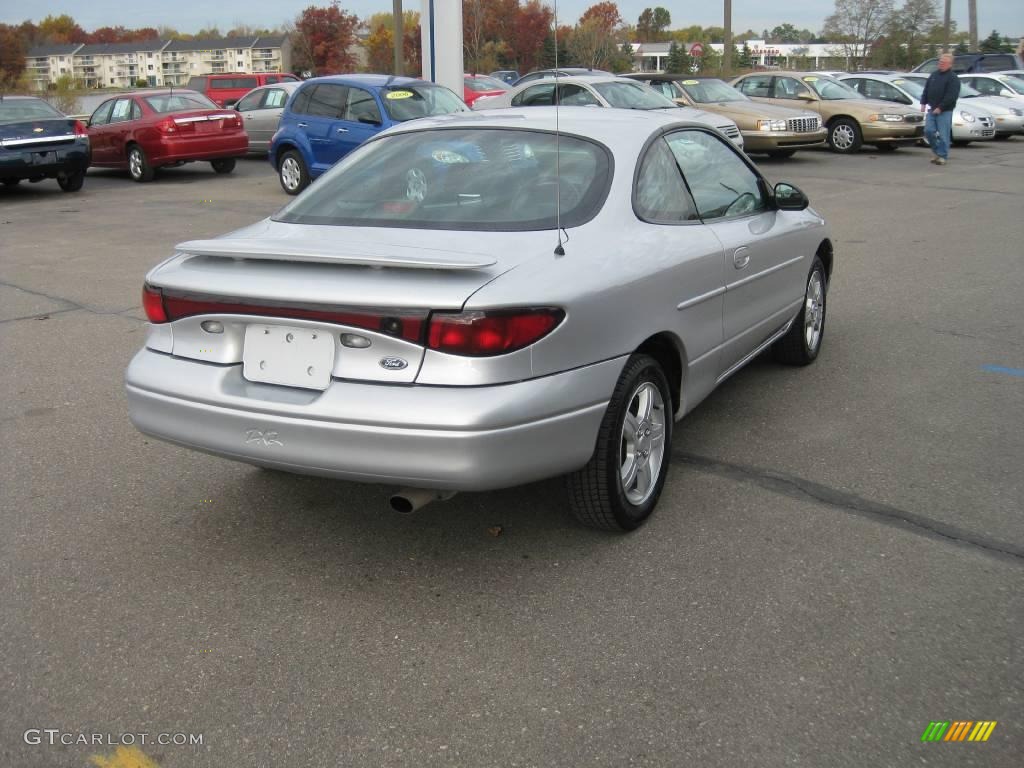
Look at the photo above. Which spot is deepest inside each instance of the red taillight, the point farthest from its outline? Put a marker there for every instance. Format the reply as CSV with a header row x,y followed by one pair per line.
x,y
153,304
480,334
81,129
167,126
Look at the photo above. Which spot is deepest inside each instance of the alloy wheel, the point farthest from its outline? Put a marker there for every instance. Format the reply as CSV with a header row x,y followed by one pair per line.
x,y
643,443
814,310
291,174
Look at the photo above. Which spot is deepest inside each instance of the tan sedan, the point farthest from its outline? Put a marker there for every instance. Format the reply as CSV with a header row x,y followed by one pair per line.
x,y
766,128
851,119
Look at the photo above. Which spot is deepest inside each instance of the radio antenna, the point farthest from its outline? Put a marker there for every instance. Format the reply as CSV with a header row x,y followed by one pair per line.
x,y
559,250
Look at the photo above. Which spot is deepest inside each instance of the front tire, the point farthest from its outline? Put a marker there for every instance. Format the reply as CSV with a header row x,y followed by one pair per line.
x,y
138,164
71,182
801,344
292,173
844,136
781,153
223,165
620,486
886,147
959,143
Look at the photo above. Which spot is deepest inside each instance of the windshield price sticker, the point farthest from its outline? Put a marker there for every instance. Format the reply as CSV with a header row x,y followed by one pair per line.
x,y
691,82
399,94
810,79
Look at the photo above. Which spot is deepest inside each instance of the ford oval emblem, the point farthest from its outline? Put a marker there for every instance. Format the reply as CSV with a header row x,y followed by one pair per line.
x,y
393,363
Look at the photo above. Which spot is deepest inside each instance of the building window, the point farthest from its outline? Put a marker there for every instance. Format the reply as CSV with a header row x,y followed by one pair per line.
x,y
150,67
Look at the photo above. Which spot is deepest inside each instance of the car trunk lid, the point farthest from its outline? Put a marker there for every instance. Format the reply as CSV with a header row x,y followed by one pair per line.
x,y
30,135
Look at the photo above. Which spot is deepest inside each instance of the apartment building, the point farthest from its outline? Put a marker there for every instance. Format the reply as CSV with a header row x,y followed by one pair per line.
x,y
158,62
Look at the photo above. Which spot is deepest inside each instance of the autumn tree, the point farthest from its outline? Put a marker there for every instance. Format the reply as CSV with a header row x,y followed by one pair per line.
x,y
12,56
380,51
592,45
605,15
529,32
61,30
323,38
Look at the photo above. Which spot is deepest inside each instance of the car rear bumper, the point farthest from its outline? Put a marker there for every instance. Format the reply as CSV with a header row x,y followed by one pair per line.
x,y
43,161
764,141
207,148
455,438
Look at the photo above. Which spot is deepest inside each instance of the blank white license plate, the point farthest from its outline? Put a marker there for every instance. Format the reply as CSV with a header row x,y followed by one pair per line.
x,y
291,357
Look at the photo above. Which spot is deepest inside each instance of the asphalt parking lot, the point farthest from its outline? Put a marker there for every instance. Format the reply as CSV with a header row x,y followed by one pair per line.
x,y
836,560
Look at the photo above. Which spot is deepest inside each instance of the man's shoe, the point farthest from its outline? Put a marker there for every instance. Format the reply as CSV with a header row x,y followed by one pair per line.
x,y
935,160
940,161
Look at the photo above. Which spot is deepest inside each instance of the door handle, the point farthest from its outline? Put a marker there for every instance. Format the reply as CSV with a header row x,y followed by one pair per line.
x,y
302,125
741,257
343,130
250,117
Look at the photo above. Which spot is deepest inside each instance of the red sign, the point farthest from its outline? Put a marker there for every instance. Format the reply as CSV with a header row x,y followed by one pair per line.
x,y
697,49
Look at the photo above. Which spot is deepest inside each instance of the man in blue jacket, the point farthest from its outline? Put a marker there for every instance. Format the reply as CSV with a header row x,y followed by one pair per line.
x,y
939,99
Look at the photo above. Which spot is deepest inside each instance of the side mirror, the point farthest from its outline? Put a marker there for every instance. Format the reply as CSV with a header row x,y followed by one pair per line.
x,y
789,198
805,96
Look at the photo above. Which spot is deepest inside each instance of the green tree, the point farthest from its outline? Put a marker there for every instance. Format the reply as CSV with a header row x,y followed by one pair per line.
x,y
744,59
961,47
994,44
678,60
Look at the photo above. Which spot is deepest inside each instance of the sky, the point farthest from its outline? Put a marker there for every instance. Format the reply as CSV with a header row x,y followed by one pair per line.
x,y
190,15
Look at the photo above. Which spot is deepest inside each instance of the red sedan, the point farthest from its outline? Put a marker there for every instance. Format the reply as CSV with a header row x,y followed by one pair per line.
x,y
476,86
147,130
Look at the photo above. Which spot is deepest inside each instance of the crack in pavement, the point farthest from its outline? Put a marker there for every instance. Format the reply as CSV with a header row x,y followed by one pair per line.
x,y
802,489
69,305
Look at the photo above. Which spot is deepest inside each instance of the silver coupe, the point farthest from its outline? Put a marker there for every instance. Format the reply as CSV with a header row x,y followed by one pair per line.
x,y
476,301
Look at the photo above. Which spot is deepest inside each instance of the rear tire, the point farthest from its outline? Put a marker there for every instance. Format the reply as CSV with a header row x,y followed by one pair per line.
x,y
781,153
223,165
1003,136
844,136
138,164
886,147
961,143
292,173
801,344
619,487
71,182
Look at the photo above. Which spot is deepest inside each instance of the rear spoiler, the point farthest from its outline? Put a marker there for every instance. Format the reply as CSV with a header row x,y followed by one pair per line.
x,y
355,254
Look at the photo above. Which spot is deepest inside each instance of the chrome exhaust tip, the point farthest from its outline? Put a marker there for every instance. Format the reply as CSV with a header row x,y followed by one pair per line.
x,y
409,500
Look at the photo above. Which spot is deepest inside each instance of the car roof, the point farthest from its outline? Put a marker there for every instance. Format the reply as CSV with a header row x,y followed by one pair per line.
x,y
618,129
369,81
288,85
581,79
155,92
16,97
666,78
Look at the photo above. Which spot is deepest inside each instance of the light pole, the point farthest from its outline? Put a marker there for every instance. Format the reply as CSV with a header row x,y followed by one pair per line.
x,y
727,52
945,26
972,16
400,38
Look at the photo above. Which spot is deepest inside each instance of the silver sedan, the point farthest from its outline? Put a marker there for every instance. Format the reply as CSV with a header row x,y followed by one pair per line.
x,y
603,91
475,301
261,110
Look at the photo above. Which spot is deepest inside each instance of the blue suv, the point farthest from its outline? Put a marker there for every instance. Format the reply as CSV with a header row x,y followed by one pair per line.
x,y
328,117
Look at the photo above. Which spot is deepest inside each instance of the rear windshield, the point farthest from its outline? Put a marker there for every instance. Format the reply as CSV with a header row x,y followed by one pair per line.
x,y
633,96
1014,83
407,102
16,110
914,87
489,179
179,102
482,83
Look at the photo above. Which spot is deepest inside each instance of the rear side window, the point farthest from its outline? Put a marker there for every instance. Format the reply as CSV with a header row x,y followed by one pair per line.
x,y
276,97
271,79
244,82
301,103
661,196
221,84
536,96
327,101
122,111
362,107
758,86
197,83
